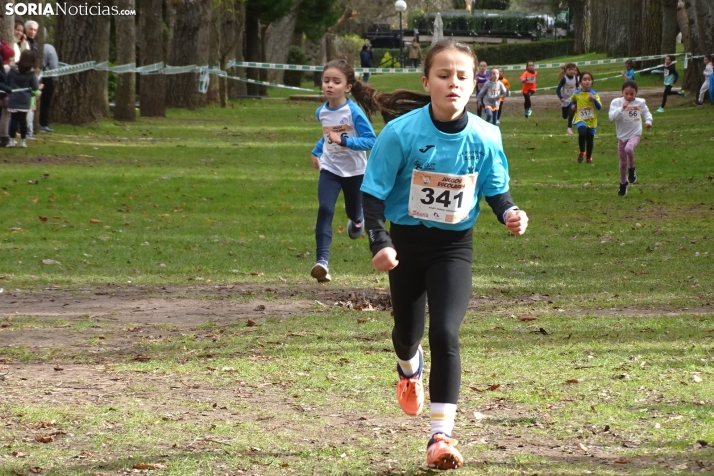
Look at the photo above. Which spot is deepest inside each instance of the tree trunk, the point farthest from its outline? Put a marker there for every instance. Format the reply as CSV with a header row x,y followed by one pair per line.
x,y
278,41
188,45
77,41
599,20
683,24
651,33
101,90
693,76
638,25
263,73
7,22
227,49
238,88
214,51
669,27
152,90
252,52
125,98
619,24
580,15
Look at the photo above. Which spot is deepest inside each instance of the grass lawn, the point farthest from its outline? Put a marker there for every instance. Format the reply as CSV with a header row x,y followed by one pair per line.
x,y
588,348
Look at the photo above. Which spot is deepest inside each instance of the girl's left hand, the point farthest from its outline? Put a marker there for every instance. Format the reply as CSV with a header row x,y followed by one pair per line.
x,y
591,97
516,221
648,126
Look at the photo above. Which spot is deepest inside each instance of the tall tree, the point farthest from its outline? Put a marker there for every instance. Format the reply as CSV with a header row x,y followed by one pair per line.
x,y
582,24
153,86
278,37
669,26
189,45
125,28
7,22
259,14
214,47
237,88
101,85
701,28
77,41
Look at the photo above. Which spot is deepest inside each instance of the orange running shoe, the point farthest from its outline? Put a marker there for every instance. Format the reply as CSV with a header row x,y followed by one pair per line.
x,y
441,454
410,390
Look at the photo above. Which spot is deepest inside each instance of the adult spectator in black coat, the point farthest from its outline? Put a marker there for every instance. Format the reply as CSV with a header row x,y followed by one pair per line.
x,y
365,59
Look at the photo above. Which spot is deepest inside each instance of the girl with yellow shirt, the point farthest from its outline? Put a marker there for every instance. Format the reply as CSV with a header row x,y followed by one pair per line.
x,y
585,102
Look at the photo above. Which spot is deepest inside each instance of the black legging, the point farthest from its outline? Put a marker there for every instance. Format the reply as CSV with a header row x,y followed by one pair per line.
x,y
568,114
667,92
585,137
433,263
527,99
46,101
500,110
18,119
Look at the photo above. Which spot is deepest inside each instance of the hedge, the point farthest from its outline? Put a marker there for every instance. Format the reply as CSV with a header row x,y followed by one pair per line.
x,y
480,22
520,53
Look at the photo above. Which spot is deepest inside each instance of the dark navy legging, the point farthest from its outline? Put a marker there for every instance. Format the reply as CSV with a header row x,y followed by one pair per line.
x,y
433,264
328,189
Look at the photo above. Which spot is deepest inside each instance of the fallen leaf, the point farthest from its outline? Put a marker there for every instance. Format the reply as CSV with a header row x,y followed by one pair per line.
x,y
583,447
480,416
94,220
621,461
697,378
58,368
50,261
44,439
250,323
149,466
495,386
526,317
42,219
572,380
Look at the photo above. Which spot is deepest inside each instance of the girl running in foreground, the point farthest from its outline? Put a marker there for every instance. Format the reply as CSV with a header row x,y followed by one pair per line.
x,y
429,168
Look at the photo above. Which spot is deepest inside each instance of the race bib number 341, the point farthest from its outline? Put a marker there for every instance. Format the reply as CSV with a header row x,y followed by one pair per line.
x,y
443,198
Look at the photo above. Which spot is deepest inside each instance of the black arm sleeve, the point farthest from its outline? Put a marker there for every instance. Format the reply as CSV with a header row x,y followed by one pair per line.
x,y
499,204
374,222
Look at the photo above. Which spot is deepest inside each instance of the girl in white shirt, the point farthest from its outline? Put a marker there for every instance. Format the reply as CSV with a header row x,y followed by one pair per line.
x,y
627,113
708,69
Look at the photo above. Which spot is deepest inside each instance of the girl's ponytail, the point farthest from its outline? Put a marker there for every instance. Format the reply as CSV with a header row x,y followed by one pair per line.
x,y
389,105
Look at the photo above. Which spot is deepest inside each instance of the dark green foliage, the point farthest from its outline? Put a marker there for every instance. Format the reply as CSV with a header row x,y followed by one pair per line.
x,y
295,56
459,4
517,53
491,4
267,11
316,16
504,22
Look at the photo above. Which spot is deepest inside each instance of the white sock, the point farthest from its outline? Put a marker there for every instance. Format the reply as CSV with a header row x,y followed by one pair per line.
x,y
442,418
409,367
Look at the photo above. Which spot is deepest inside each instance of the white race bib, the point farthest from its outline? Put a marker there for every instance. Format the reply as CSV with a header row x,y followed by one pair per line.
x,y
341,129
530,79
586,113
443,198
494,93
567,92
666,72
632,114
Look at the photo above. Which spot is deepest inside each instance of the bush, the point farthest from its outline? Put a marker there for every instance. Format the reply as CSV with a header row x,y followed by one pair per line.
x,y
503,22
385,55
295,56
520,53
491,4
348,47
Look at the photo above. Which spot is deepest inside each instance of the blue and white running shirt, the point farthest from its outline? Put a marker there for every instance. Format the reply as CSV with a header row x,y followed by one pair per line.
x,y
425,176
349,121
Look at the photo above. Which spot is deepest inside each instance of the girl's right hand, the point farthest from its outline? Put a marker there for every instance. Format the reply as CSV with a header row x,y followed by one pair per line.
x,y
385,259
315,161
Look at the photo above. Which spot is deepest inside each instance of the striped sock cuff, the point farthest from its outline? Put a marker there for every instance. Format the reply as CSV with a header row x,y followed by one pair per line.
x,y
442,418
